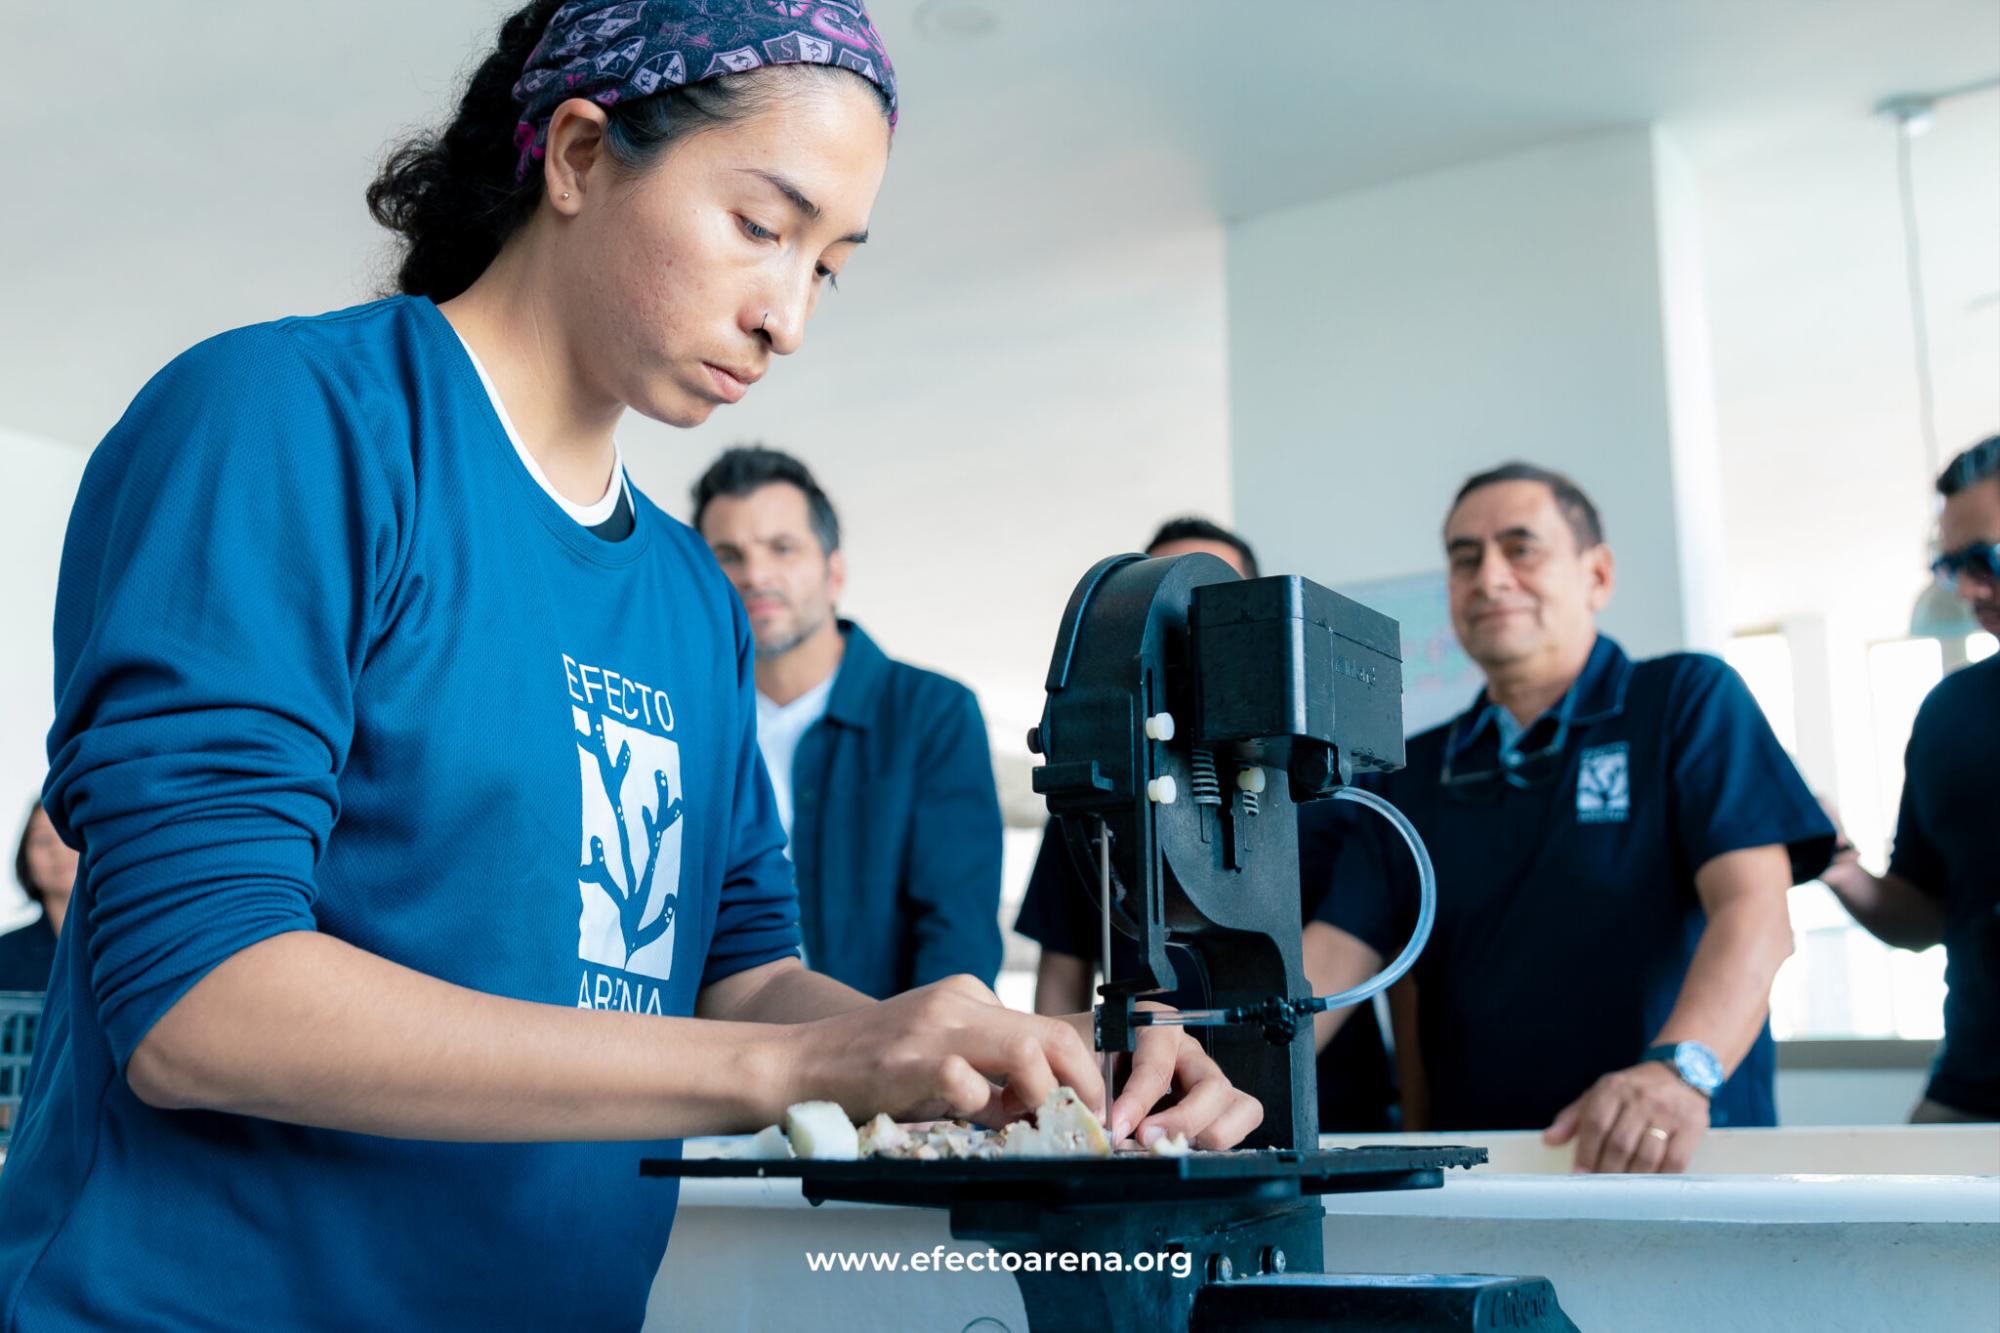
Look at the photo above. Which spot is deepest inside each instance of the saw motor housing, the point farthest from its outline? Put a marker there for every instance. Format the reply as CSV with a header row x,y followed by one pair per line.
x,y
1190,712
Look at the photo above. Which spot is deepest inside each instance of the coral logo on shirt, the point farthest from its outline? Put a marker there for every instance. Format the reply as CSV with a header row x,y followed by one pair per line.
x,y
1604,785
629,852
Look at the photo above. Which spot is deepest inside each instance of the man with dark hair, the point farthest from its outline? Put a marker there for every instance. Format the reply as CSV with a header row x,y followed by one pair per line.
x,y
883,779
1943,881
1356,1092
1191,533
1576,507
1613,843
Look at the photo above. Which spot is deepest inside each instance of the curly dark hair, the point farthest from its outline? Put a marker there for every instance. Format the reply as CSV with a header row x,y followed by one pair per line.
x,y
451,195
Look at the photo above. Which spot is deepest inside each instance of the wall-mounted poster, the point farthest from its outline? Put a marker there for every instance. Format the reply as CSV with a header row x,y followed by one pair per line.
x,y
1439,680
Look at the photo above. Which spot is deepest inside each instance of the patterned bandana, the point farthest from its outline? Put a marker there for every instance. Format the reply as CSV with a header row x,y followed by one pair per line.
x,y
611,52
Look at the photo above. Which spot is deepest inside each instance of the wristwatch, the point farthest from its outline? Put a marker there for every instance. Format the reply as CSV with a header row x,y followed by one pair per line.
x,y
1694,1062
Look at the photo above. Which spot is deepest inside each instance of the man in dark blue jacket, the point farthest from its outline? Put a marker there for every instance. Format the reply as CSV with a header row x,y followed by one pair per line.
x,y
881,770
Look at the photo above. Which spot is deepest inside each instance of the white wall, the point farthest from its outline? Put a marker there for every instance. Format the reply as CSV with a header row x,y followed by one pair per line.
x,y
1848,1096
1827,484
1693,444
1387,343
41,479
1829,488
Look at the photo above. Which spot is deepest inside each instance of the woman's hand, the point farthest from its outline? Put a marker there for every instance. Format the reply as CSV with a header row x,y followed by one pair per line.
x,y
949,1048
1175,1088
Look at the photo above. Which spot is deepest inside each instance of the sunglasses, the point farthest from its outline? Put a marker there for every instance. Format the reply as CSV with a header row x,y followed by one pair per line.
x,y
1981,560
1530,769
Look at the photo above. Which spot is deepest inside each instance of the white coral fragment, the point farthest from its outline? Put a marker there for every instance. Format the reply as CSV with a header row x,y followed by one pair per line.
x,y
883,1137
1062,1127
822,1131
1069,1128
768,1144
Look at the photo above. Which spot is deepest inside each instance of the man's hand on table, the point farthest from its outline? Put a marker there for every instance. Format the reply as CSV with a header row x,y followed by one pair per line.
x,y
1643,1120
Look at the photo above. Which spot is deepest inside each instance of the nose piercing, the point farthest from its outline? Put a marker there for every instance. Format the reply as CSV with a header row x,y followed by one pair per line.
x,y
767,320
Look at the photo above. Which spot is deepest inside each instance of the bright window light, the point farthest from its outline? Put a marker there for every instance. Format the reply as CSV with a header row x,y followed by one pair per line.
x,y
1765,663
1841,982
1900,673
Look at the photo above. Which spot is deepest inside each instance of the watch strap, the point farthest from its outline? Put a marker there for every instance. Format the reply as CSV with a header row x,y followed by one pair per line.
x,y
1668,1053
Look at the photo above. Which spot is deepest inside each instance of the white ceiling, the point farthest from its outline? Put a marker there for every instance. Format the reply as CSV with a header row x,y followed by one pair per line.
x,y
179,166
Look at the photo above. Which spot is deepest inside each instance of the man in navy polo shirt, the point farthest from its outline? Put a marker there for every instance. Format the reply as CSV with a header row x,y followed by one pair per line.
x,y
1613,841
1943,881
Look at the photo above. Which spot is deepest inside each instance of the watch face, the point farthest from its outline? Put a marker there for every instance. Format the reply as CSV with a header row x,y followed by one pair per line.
x,y
1698,1065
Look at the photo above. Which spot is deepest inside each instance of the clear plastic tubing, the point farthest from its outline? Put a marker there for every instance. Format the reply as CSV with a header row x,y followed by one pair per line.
x,y
1426,907
1387,977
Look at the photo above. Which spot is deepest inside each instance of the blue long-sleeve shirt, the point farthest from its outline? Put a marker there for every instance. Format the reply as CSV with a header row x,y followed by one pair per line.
x,y
328,659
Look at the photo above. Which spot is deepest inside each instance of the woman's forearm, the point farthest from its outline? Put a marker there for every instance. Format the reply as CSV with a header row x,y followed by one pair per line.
x,y
307,1029
780,992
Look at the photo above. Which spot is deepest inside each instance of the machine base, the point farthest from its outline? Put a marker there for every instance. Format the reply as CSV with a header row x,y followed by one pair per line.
x,y
1379,1303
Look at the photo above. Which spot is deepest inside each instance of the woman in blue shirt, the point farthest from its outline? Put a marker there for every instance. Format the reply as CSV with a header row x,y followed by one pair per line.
x,y
427,861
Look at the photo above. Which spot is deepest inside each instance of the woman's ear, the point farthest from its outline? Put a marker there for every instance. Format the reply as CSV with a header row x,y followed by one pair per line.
x,y
575,156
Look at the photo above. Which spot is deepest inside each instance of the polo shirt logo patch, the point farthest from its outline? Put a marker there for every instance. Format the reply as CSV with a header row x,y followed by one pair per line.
x,y
1604,785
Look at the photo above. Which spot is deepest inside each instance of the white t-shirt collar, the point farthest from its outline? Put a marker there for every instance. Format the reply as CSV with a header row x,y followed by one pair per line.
x,y
589,515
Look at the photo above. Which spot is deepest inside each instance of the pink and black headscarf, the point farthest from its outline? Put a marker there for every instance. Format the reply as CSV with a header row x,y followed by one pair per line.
x,y
616,52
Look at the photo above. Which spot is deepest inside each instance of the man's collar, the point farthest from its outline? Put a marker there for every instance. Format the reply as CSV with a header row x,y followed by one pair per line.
x,y
864,669
813,702
1484,716
1597,693
1600,690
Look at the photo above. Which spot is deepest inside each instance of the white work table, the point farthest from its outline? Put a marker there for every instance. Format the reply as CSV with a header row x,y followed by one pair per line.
x,y
1901,1246
1909,1241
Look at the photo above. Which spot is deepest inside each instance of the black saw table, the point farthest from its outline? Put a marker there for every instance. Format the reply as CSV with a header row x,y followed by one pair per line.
x,y
1249,1220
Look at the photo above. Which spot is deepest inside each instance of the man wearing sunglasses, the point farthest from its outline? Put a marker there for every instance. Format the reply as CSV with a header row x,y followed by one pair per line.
x,y
1943,881
1613,842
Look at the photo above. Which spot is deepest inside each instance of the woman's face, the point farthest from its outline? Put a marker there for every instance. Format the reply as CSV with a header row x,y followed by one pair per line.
x,y
51,864
681,283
